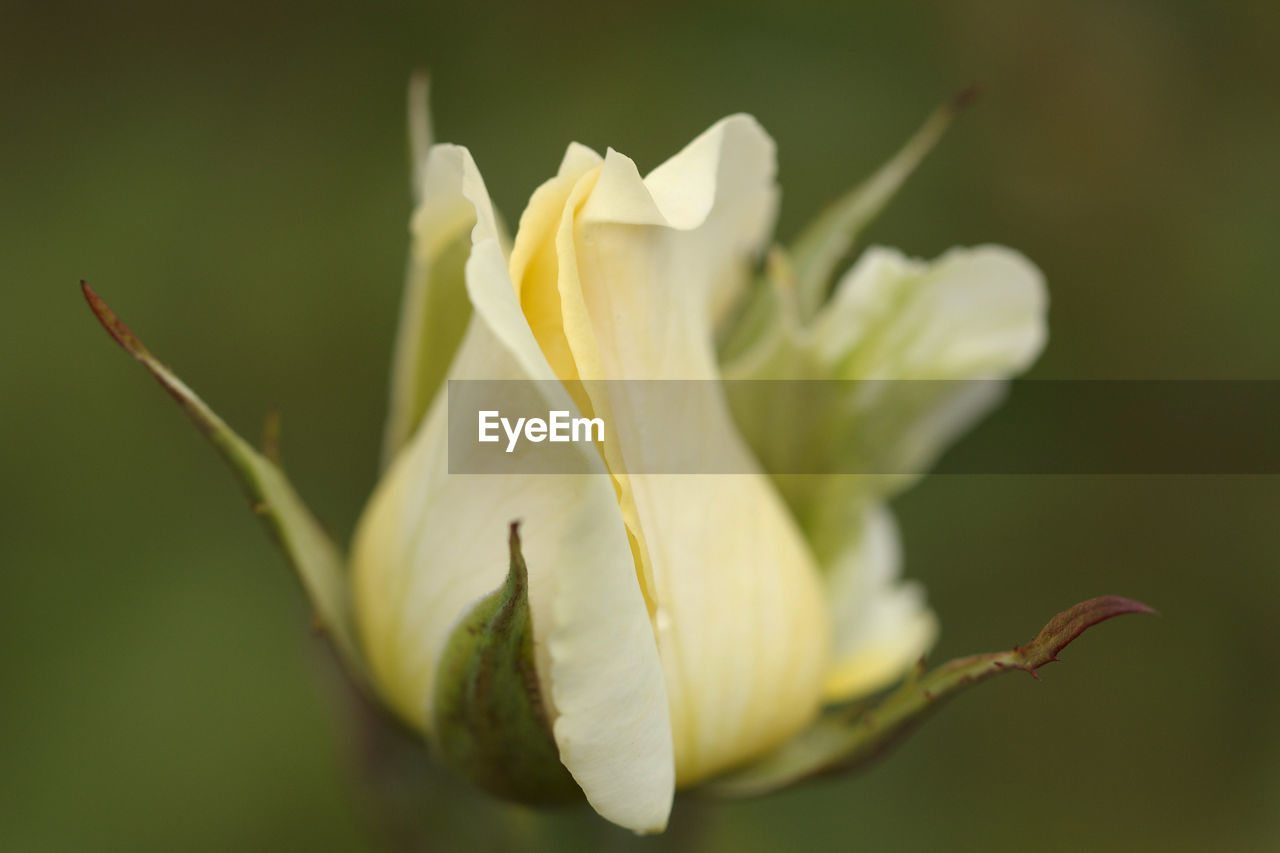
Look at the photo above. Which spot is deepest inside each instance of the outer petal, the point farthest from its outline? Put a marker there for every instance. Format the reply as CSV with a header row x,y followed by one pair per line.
x,y
431,543
974,314
880,625
434,309
642,268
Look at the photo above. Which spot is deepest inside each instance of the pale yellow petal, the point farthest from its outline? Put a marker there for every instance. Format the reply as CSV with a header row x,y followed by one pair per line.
x,y
434,309
880,626
642,268
431,543
534,265
974,314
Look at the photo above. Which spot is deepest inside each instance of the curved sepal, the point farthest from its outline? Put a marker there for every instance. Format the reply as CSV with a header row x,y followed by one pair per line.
x,y
489,720
847,738
421,134
798,279
318,562
827,241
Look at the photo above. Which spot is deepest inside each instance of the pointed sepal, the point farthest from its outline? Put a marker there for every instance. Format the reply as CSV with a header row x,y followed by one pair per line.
x,y
316,560
798,279
421,133
827,241
489,721
847,738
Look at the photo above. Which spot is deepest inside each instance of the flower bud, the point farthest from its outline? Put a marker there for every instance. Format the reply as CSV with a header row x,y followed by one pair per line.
x,y
640,632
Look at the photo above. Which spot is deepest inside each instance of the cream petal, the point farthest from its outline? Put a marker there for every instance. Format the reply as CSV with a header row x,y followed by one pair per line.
x,y
722,167
972,314
734,591
964,322
534,264
578,160
431,543
434,309
880,626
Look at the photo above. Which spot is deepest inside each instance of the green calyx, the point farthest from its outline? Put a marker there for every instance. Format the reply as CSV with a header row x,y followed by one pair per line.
x,y
489,722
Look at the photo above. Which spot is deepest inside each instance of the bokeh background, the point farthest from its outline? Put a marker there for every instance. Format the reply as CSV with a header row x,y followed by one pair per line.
x,y
232,178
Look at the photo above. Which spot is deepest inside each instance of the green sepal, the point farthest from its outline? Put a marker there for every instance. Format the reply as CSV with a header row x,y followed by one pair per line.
x,y
827,241
319,564
847,738
421,134
798,279
489,722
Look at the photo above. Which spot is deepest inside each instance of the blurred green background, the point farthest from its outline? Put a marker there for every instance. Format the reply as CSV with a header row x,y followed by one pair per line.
x,y
232,178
